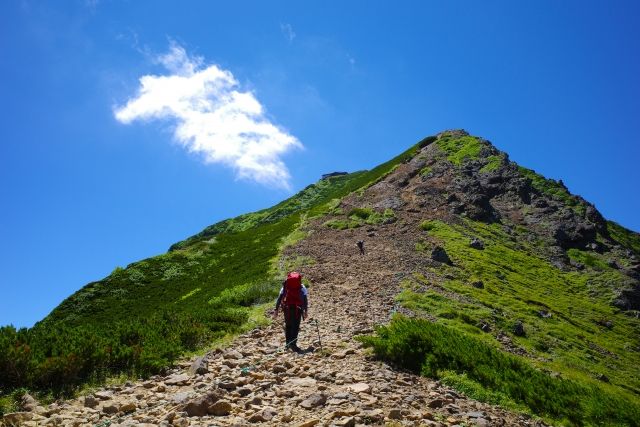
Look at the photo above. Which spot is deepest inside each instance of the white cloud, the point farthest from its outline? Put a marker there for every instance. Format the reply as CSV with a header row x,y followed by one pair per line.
x,y
213,117
287,30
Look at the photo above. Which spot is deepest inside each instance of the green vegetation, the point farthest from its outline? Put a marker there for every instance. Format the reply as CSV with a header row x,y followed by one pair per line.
x,y
564,313
139,319
626,238
362,216
589,259
553,188
460,148
493,163
436,351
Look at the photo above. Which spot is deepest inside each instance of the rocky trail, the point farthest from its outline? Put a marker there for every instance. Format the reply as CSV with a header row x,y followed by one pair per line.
x,y
254,382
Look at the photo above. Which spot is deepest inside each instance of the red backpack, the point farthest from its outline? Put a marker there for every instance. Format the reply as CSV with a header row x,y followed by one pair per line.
x,y
293,289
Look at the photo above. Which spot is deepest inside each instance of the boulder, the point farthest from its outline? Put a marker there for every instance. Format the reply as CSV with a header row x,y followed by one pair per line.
x,y
440,255
198,367
16,418
199,407
28,403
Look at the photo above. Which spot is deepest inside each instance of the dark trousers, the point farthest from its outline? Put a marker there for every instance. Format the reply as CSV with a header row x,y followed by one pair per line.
x,y
292,316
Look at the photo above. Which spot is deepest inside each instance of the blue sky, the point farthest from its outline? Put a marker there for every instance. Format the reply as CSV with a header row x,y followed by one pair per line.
x,y
97,170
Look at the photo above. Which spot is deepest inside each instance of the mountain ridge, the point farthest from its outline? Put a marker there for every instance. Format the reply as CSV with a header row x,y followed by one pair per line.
x,y
434,198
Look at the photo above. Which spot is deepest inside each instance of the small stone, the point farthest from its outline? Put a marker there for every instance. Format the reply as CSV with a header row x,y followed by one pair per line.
x,y
16,418
518,329
227,385
277,369
478,284
436,403
245,391
198,367
233,354
28,403
308,423
179,379
110,409
395,414
103,395
346,422
360,388
128,407
477,244
220,408
440,255
90,401
314,400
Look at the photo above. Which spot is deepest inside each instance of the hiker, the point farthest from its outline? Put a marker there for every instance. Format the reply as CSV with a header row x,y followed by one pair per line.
x,y
294,303
360,245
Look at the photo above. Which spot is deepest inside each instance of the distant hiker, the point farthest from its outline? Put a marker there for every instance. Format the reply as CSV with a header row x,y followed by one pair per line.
x,y
294,302
360,245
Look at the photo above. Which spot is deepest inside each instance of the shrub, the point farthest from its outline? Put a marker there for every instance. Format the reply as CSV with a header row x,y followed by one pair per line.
x,y
434,350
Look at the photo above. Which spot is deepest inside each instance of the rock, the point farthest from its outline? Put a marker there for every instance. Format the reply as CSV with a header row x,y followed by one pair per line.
x,y
395,414
103,395
177,379
220,408
346,422
436,403
360,388
199,407
181,397
475,414
244,391
110,409
308,423
16,418
128,407
199,367
314,400
440,255
278,369
28,403
518,329
233,355
479,284
90,401
306,382
373,415
477,244
544,314
227,385
603,378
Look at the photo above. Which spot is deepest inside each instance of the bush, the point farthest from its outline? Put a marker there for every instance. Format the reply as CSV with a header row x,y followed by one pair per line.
x,y
435,350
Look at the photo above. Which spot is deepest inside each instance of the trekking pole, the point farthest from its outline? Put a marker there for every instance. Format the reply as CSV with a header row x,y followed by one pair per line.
x,y
318,330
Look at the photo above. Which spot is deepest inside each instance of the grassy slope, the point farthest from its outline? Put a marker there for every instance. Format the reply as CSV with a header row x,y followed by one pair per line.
x,y
231,253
